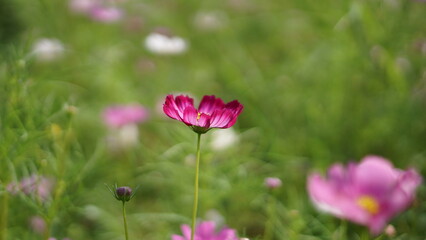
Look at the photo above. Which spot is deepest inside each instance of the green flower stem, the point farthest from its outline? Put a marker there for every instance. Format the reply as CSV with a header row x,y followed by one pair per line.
x,y
197,167
4,198
125,221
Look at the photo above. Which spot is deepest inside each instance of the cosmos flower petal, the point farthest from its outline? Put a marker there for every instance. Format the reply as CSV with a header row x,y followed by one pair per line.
x,y
177,237
190,116
205,229
186,230
204,120
235,106
171,112
375,176
209,104
221,118
369,193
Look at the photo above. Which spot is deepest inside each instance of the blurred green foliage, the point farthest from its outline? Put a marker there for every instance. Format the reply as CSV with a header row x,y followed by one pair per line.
x,y
321,81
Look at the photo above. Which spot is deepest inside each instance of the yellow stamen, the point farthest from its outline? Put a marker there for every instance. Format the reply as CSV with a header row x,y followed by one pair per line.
x,y
198,116
369,204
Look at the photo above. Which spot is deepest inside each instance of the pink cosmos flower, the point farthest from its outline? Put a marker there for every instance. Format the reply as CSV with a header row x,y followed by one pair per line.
x,y
369,193
212,112
36,185
106,14
206,231
38,224
272,182
120,115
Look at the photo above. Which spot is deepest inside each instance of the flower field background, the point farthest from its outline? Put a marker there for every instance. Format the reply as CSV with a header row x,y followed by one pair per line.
x,y
322,82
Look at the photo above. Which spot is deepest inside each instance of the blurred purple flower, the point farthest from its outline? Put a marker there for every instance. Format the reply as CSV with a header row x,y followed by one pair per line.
x,y
206,231
121,115
98,10
38,224
106,14
36,185
272,182
369,193
83,6
212,112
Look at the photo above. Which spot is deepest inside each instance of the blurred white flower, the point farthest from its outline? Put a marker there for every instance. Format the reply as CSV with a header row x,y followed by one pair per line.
x,y
224,139
189,160
126,136
162,44
215,216
209,21
48,49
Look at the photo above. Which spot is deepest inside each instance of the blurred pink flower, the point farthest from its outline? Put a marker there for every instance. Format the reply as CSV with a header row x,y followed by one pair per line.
x,y
38,224
272,182
212,112
83,6
206,231
36,185
106,14
369,193
121,115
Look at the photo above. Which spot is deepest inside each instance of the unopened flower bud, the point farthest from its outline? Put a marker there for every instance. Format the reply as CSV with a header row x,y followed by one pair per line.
x,y
124,193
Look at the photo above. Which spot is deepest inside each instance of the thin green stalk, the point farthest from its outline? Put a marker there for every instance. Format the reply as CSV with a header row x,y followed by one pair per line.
x,y
3,215
125,221
194,209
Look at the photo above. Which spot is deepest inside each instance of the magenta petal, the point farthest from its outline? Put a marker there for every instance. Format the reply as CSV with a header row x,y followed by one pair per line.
x,y
190,116
177,237
331,200
205,229
221,119
235,106
171,112
204,120
182,102
209,104
186,230
369,193
176,106
375,176
227,233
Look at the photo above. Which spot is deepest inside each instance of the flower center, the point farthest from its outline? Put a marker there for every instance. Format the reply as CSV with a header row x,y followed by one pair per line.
x,y
198,116
369,204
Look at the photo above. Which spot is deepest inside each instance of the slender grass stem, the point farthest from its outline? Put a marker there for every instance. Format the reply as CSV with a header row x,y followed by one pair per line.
x,y
125,221
195,206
